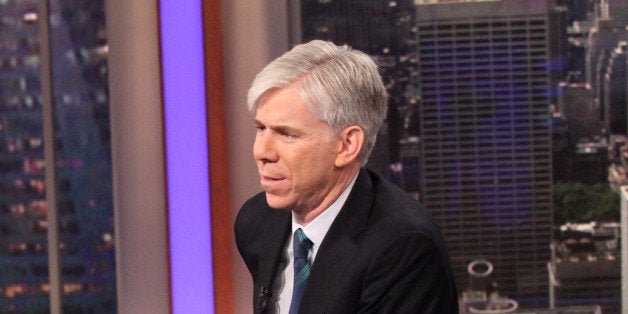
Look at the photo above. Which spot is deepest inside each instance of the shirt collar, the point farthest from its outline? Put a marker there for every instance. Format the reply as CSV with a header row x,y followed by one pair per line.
x,y
318,227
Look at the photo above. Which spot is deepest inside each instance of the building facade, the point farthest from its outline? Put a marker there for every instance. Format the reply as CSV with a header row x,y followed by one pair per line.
x,y
78,48
485,97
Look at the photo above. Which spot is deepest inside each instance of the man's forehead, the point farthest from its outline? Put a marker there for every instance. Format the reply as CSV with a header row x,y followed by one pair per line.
x,y
290,90
281,101
275,118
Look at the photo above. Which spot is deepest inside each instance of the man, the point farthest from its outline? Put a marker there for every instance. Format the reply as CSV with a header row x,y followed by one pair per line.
x,y
327,235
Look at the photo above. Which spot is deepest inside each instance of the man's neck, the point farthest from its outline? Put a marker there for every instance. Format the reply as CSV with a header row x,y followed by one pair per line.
x,y
307,216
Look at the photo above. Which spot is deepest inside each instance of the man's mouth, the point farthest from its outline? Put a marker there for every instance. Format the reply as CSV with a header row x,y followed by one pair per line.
x,y
269,180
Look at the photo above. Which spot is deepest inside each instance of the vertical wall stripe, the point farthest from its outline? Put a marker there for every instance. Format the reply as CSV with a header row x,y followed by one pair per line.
x,y
222,226
186,156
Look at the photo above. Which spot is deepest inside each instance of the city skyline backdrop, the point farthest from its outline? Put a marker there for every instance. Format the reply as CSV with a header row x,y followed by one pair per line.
x,y
493,103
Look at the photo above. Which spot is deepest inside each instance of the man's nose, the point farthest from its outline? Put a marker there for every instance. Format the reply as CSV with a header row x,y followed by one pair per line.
x,y
264,148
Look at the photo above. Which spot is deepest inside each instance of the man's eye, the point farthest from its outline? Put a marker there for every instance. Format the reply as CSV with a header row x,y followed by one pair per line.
x,y
288,135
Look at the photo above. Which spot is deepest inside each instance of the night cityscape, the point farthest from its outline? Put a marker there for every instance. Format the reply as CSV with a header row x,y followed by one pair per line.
x,y
85,206
505,118
508,119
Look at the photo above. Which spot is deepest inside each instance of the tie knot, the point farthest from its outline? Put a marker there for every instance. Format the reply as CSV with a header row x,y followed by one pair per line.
x,y
301,244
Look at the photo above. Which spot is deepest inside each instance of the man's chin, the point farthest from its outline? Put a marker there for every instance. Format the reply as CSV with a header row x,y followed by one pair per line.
x,y
274,201
277,202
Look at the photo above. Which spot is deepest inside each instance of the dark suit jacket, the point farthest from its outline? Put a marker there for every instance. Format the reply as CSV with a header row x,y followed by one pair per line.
x,y
382,254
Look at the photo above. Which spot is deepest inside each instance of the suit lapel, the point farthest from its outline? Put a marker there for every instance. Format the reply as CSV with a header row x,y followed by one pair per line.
x,y
278,226
339,242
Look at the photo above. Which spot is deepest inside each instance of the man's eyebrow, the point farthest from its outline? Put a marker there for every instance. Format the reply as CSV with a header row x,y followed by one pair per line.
x,y
281,128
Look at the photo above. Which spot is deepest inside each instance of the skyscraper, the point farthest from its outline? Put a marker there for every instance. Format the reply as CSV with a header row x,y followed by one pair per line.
x,y
485,97
84,197
23,249
601,41
614,98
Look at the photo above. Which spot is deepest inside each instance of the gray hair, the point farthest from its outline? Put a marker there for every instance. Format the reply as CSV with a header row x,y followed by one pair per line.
x,y
340,85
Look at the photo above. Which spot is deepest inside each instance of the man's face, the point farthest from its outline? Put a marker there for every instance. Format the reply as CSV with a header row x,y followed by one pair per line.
x,y
294,151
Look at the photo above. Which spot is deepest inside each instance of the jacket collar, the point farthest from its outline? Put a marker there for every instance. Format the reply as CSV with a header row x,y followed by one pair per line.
x,y
276,233
350,222
354,214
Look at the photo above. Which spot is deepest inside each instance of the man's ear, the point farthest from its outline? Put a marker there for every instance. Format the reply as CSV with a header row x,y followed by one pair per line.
x,y
351,142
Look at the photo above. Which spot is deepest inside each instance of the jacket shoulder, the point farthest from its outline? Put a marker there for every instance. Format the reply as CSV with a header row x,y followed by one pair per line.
x,y
255,223
395,207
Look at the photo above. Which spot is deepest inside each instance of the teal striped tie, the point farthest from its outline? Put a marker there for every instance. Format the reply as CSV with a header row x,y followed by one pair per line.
x,y
301,246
